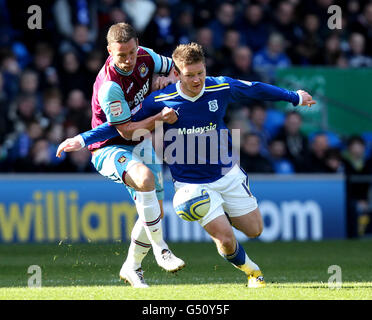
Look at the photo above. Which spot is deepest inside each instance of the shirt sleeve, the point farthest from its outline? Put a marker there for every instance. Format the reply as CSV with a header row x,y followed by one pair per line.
x,y
245,90
147,108
112,101
163,65
99,133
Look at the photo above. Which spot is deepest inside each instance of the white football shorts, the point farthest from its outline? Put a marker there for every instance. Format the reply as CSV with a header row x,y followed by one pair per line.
x,y
230,194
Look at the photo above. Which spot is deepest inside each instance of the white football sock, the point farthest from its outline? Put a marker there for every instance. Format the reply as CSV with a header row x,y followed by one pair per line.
x,y
148,209
248,266
240,259
139,246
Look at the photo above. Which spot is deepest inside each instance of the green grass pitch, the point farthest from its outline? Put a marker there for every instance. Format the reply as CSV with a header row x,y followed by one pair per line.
x,y
293,270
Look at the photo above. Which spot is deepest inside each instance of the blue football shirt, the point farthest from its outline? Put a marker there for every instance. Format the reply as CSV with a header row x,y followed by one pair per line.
x,y
198,147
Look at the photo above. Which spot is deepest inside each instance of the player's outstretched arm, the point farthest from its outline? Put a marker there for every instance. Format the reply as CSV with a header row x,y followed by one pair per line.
x,y
256,90
100,133
307,99
105,131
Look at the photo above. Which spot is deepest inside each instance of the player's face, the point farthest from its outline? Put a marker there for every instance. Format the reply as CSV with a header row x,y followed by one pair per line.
x,y
192,78
124,54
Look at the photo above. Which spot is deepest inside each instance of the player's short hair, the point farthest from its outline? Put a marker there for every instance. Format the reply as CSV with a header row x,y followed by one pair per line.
x,y
121,32
186,54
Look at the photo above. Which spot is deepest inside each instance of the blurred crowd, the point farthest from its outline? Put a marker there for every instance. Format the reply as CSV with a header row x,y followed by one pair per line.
x,y
46,75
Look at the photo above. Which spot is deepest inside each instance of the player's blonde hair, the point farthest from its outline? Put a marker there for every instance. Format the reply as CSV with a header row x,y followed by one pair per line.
x,y
121,32
186,54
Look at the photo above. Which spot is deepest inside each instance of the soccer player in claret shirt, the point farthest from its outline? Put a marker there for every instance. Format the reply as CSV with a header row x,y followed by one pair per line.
x,y
122,83
200,103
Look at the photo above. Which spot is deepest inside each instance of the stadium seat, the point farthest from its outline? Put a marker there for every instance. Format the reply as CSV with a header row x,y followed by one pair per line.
x,y
274,121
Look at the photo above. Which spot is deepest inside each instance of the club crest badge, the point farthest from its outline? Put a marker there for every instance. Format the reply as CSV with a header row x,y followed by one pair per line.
x,y
213,105
122,159
143,70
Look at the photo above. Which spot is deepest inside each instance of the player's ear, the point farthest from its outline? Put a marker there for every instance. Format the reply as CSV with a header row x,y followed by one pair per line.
x,y
109,49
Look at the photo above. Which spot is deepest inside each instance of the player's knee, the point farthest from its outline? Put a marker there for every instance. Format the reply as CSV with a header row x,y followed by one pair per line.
x,y
257,229
227,243
144,179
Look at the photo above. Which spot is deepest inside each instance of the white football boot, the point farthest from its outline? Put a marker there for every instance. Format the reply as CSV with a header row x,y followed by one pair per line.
x,y
134,277
169,262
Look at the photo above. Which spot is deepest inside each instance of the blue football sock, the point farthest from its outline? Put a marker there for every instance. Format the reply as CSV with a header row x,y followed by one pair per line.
x,y
238,257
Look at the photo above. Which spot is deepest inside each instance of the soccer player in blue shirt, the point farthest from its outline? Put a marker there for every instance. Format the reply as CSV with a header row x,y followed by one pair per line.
x,y
198,103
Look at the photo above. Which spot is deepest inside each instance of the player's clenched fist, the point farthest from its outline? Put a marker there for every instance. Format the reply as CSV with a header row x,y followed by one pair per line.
x,y
169,115
69,145
307,99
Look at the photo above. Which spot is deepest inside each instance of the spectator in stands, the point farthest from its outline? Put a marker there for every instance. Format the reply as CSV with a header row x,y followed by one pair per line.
x,y
184,26
53,110
29,82
363,25
43,64
225,20
333,161
308,48
315,160
69,14
237,118
11,72
320,9
256,124
160,32
251,159
38,159
271,58
91,68
359,206
332,50
296,142
24,111
78,110
284,24
356,163
109,12
277,156
71,74
140,12
253,28
204,36
6,126
241,66
22,142
356,55
224,55
80,43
